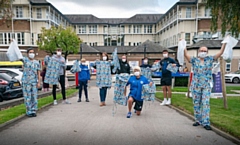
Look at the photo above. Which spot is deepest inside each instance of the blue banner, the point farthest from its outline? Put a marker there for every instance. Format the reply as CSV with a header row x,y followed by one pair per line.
x,y
178,74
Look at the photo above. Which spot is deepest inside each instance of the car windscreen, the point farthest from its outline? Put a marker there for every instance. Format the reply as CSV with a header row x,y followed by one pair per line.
x,y
5,77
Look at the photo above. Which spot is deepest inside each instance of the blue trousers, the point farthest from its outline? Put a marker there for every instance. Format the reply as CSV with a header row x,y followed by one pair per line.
x,y
83,85
103,94
30,94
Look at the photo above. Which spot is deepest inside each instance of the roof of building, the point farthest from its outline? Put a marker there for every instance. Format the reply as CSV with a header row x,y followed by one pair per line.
x,y
91,19
143,19
88,49
110,49
210,44
151,47
39,1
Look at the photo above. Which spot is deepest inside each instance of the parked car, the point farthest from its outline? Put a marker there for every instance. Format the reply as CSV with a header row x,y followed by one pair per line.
x,y
16,73
13,72
233,77
9,87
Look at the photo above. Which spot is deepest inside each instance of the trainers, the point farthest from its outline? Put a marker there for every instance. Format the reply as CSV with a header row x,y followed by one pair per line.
x,y
196,124
168,102
129,114
135,111
163,102
55,102
87,100
79,100
66,102
207,127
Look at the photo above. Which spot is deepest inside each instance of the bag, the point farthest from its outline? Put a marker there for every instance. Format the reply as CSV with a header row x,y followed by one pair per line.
x,y
13,52
180,53
172,69
75,68
228,52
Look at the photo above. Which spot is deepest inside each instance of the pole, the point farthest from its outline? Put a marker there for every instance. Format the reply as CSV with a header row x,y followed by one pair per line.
x,y
223,83
80,51
144,50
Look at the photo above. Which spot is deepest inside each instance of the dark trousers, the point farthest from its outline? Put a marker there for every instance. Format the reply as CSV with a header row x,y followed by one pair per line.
x,y
62,83
103,94
83,85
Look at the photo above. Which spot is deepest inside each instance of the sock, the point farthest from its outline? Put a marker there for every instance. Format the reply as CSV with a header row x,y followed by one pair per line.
x,y
169,99
165,100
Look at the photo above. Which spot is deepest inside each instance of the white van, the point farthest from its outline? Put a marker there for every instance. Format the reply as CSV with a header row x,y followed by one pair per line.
x,y
69,75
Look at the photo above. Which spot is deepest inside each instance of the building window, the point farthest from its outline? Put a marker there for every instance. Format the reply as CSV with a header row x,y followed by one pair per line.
x,y
137,29
207,12
1,38
32,39
105,29
39,13
174,40
82,29
147,28
20,38
129,43
19,11
187,38
92,29
129,28
122,29
188,12
228,67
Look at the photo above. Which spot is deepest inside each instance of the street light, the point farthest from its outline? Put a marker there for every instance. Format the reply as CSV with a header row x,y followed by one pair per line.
x,y
80,51
144,50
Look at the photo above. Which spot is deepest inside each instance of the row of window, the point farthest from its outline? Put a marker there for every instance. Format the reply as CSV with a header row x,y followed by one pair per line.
x,y
5,38
136,29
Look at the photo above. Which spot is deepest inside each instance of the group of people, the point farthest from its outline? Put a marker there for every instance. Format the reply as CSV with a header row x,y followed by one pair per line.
x,y
200,85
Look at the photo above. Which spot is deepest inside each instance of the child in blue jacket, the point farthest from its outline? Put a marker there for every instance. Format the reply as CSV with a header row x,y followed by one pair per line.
x,y
83,79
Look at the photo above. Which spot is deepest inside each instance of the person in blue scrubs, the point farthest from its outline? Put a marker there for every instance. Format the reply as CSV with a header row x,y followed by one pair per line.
x,y
136,82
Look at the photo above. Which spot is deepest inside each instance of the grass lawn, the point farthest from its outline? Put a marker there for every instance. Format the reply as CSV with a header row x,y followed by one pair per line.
x,y
16,111
184,89
227,120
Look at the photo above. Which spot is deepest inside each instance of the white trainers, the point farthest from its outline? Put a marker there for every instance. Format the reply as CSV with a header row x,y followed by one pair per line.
x,y
55,102
168,102
66,102
164,102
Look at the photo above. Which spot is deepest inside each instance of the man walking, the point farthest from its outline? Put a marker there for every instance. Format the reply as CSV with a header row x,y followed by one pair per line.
x,y
166,79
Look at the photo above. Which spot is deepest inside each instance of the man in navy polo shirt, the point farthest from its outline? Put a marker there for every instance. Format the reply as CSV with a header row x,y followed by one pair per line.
x,y
166,79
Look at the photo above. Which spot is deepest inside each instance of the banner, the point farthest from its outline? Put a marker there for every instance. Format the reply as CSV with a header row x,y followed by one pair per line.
x,y
217,86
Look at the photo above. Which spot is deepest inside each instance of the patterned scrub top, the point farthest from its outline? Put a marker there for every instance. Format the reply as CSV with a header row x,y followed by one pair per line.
x,y
202,73
30,71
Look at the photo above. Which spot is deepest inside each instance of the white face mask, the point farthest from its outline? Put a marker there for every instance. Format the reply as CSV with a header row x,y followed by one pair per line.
x,y
83,63
31,55
165,55
202,54
124,60
137,73
59,53
145,61
104,58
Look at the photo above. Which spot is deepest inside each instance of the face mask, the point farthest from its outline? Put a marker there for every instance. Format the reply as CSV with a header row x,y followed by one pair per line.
x,y
124,60
165,55
31,55
104,58
83,63
137,73
145,61
202,54
59,53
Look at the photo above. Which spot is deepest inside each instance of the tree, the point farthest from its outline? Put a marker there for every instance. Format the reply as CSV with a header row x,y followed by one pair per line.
x,y
6,12
227,12
58,37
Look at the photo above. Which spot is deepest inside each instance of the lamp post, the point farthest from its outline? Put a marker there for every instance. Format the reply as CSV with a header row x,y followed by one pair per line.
x,y
80,51
144,50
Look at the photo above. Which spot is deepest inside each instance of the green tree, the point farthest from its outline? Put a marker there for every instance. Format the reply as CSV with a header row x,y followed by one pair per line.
x,y
6,12
58,37
228,13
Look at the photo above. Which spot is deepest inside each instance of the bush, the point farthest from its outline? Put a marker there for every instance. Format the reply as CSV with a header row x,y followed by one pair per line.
x,y
181,81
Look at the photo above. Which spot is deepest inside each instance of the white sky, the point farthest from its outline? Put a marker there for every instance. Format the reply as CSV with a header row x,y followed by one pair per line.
x,y
113,8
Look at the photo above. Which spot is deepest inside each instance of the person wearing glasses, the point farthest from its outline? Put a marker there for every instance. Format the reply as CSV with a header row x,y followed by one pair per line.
x,y
202,83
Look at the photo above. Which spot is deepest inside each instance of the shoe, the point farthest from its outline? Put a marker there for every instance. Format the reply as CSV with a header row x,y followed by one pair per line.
x,y
55,102
104,104
163,102
101,104
207,127
87,100
32,115
196,124
79,100
168,102
135,111
129,114
66,102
